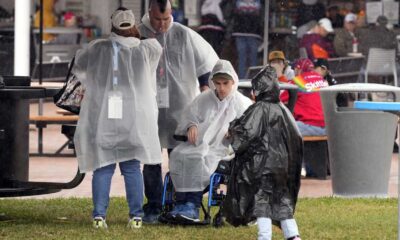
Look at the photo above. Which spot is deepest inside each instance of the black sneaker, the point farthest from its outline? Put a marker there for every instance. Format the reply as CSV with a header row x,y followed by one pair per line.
x,y
151,214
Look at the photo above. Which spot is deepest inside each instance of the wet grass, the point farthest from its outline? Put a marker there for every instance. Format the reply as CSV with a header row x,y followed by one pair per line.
x,y
318,218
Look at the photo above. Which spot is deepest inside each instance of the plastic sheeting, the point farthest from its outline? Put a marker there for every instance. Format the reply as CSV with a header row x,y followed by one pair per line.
x,y
192,165
186,56
103,137
265,175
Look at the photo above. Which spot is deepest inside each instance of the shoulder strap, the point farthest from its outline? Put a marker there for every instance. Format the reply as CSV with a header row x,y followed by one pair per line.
x,y
57,96
115,62
71,65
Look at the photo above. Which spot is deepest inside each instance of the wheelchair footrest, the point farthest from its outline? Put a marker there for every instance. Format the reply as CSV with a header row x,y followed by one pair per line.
x,y
181,221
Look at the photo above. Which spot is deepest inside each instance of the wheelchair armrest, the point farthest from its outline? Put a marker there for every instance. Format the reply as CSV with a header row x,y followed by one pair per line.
x,y
224,167
181,138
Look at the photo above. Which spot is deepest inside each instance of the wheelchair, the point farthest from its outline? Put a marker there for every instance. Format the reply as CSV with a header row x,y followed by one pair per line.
x,y
216,197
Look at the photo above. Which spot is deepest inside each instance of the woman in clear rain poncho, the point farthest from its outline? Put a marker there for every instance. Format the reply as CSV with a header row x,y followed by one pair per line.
x,y
265,175
206,122
118,116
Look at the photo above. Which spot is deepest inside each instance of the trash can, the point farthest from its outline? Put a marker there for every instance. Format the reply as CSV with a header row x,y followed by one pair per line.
x,y
360,142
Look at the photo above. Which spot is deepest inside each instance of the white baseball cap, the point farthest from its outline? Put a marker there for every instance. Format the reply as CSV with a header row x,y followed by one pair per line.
x,y
350,17
123,19
326,23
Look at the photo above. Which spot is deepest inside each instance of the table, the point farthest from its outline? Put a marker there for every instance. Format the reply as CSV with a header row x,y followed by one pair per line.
x,y
14,143
64,112
14,123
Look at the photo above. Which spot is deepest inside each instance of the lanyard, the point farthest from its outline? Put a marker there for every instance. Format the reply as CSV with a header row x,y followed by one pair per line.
x,y
115,63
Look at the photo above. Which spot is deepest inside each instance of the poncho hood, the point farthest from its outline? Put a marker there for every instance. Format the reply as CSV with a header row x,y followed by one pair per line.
x,y
265,85
224,66
128,42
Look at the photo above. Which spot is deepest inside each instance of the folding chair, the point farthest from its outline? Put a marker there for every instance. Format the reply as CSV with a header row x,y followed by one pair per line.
x,y
381,62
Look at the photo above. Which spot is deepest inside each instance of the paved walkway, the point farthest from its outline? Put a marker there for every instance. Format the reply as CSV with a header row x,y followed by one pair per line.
x,y
64,168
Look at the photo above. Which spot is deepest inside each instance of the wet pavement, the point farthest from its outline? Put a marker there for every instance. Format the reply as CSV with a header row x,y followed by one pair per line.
x,y
62,169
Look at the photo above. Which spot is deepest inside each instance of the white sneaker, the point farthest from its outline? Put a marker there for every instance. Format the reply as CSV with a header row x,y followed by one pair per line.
x,y
303,172
252,223
99,222
295,238
135,222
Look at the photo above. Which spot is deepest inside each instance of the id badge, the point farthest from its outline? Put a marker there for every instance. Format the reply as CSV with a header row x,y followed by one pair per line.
x,y
162,97
115,105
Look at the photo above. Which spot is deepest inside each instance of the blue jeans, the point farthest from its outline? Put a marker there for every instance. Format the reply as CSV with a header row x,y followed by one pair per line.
x,y
193,197
247,53
309,130
101,184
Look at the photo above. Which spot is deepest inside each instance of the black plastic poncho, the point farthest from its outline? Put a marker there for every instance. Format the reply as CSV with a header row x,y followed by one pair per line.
x,y
265,176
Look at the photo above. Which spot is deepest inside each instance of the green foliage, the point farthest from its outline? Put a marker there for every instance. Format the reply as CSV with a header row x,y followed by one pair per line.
x,y
318,218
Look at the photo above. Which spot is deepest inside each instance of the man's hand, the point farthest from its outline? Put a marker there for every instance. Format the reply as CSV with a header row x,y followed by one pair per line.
x,y
192,134
203,88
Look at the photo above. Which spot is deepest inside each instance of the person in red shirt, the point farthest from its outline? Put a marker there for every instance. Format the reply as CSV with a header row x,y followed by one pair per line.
x,y
308,111
308,108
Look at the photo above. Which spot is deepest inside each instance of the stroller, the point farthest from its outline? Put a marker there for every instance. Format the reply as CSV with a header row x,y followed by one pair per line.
x,y
215,197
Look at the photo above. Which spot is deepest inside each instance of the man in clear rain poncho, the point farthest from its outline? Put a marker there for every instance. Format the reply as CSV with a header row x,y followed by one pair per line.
x,y
205,122
118,116
184,66
265,175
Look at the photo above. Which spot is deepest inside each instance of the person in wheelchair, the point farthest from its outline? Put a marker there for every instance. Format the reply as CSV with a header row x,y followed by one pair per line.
x,y
265,177
205,122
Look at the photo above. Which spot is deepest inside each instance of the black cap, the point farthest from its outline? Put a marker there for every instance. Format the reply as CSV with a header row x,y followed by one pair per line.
x,y
321,62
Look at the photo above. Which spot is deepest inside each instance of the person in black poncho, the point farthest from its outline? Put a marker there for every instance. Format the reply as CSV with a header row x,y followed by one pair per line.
x,y
265,174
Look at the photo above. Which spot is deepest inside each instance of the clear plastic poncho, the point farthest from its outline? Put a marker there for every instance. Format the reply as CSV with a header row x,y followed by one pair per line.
x,y
101,140
186,56
191,165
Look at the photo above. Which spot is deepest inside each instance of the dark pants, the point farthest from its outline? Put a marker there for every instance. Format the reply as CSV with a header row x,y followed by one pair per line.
x,y
193,197
153,187
152,178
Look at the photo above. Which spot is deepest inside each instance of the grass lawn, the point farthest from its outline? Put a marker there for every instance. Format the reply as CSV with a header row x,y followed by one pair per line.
x,y
318,218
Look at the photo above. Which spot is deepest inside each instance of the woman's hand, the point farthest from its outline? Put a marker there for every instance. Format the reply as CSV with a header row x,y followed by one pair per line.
x,y
192,134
